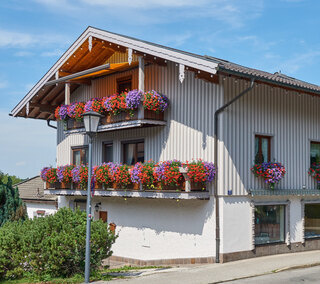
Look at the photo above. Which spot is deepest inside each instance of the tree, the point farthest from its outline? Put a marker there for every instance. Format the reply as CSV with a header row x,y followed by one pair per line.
x,y
4,177
11,205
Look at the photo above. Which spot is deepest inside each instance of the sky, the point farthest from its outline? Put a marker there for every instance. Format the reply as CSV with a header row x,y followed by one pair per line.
x,y
270,35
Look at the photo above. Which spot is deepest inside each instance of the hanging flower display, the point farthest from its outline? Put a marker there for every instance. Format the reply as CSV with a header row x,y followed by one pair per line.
x,y
168,173
61,112
200,172
94,105
155,101
143,173
272,173
314,171
122,176
64,173
76,110
115,104
133,99
80,175
49,175
102,174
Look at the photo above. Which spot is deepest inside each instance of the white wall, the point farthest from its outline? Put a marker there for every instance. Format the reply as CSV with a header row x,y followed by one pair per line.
x,y
161,229
33,207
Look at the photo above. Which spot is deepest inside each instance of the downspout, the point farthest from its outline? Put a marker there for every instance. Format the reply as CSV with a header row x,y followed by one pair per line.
x,y
52,126
216,131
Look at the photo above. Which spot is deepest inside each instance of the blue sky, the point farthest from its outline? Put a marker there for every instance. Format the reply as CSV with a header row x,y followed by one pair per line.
x,y
264,34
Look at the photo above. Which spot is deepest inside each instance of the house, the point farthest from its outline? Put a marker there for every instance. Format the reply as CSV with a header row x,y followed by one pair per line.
x,y
37,203
220,112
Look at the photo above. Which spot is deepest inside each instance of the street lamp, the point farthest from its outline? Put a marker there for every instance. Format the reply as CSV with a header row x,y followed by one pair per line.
x,y
91,121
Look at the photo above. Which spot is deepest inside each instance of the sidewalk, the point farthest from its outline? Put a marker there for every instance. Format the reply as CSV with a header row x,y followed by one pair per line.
x,y
217,273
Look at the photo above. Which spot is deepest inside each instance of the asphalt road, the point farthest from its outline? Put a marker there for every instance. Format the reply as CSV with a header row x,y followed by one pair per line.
x,y
304,275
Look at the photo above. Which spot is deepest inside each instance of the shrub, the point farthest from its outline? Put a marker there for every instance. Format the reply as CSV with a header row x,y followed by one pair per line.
x,y
52,246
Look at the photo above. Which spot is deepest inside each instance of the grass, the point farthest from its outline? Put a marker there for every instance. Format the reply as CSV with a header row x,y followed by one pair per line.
x,y
102,274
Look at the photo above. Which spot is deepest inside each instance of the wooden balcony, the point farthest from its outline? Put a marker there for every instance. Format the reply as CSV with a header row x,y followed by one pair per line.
x,y
140,118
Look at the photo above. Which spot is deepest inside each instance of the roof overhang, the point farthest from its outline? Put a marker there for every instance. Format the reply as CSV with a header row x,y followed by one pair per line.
x,y
92,45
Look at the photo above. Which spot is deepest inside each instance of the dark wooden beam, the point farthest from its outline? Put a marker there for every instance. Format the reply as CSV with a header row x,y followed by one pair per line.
x,y
44,107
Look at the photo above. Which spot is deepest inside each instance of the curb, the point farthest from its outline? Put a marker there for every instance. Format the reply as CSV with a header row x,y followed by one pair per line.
x,y
270,272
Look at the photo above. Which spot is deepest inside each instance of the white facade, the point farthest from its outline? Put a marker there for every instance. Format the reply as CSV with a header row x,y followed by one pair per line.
x,y
36,209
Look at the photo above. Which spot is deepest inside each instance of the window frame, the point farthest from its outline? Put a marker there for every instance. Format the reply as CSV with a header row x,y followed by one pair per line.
x,y
303,206
260,137
286,232
79,148
136,141
104,144
124,80
312,142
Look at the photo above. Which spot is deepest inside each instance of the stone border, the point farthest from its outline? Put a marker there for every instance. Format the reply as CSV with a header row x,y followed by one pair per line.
x,y
172,261
264,250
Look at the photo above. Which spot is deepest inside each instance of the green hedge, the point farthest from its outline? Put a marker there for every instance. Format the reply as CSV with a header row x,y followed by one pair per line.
x,y
53,245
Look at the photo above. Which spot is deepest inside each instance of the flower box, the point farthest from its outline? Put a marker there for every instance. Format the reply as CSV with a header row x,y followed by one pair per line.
x,y
54,185
65,185
74,124
152,115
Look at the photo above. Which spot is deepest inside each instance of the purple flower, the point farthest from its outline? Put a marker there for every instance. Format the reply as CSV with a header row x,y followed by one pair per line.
x,y
60,173
43,173
63,112
210,171
76,174
134,173
133,99
88,106
107,104
72,110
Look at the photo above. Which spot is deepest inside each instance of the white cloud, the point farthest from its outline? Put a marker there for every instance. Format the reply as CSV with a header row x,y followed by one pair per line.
x,y
176,40
17,39
23,53
3,84
52,53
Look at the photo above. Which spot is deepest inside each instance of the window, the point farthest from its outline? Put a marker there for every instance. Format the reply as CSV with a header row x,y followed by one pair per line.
x,y
124,84
262,152
133,152
314,152
107,152
79,156
80,204
269,224
311,220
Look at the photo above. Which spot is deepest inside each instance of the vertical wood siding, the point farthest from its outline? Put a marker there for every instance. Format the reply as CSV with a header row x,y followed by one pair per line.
x,y
291,119
189,130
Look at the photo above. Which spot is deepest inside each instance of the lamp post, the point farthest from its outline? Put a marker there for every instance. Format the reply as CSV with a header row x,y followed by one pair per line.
x,y
91,121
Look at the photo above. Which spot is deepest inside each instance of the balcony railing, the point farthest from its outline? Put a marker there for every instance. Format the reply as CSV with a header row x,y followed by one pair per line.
x,y
123,120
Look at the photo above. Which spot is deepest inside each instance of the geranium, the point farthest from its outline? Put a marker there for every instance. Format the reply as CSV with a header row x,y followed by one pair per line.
x,y
143,173
122,176
272,173
49,175
61,112
115,103
168,173
64,173
94,105
314,171
155,101
102,174
200,172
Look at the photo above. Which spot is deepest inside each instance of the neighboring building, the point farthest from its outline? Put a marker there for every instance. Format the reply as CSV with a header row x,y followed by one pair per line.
x,y
32,193
276,119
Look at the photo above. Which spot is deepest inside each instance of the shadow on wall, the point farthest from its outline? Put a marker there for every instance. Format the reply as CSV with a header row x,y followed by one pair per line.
x,y
184,216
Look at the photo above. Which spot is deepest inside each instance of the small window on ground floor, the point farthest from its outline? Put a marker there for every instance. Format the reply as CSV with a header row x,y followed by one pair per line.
x,y
312,220
269,224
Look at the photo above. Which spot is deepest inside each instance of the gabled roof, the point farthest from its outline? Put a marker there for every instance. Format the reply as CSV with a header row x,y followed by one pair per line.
x,y
80,57
33,189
